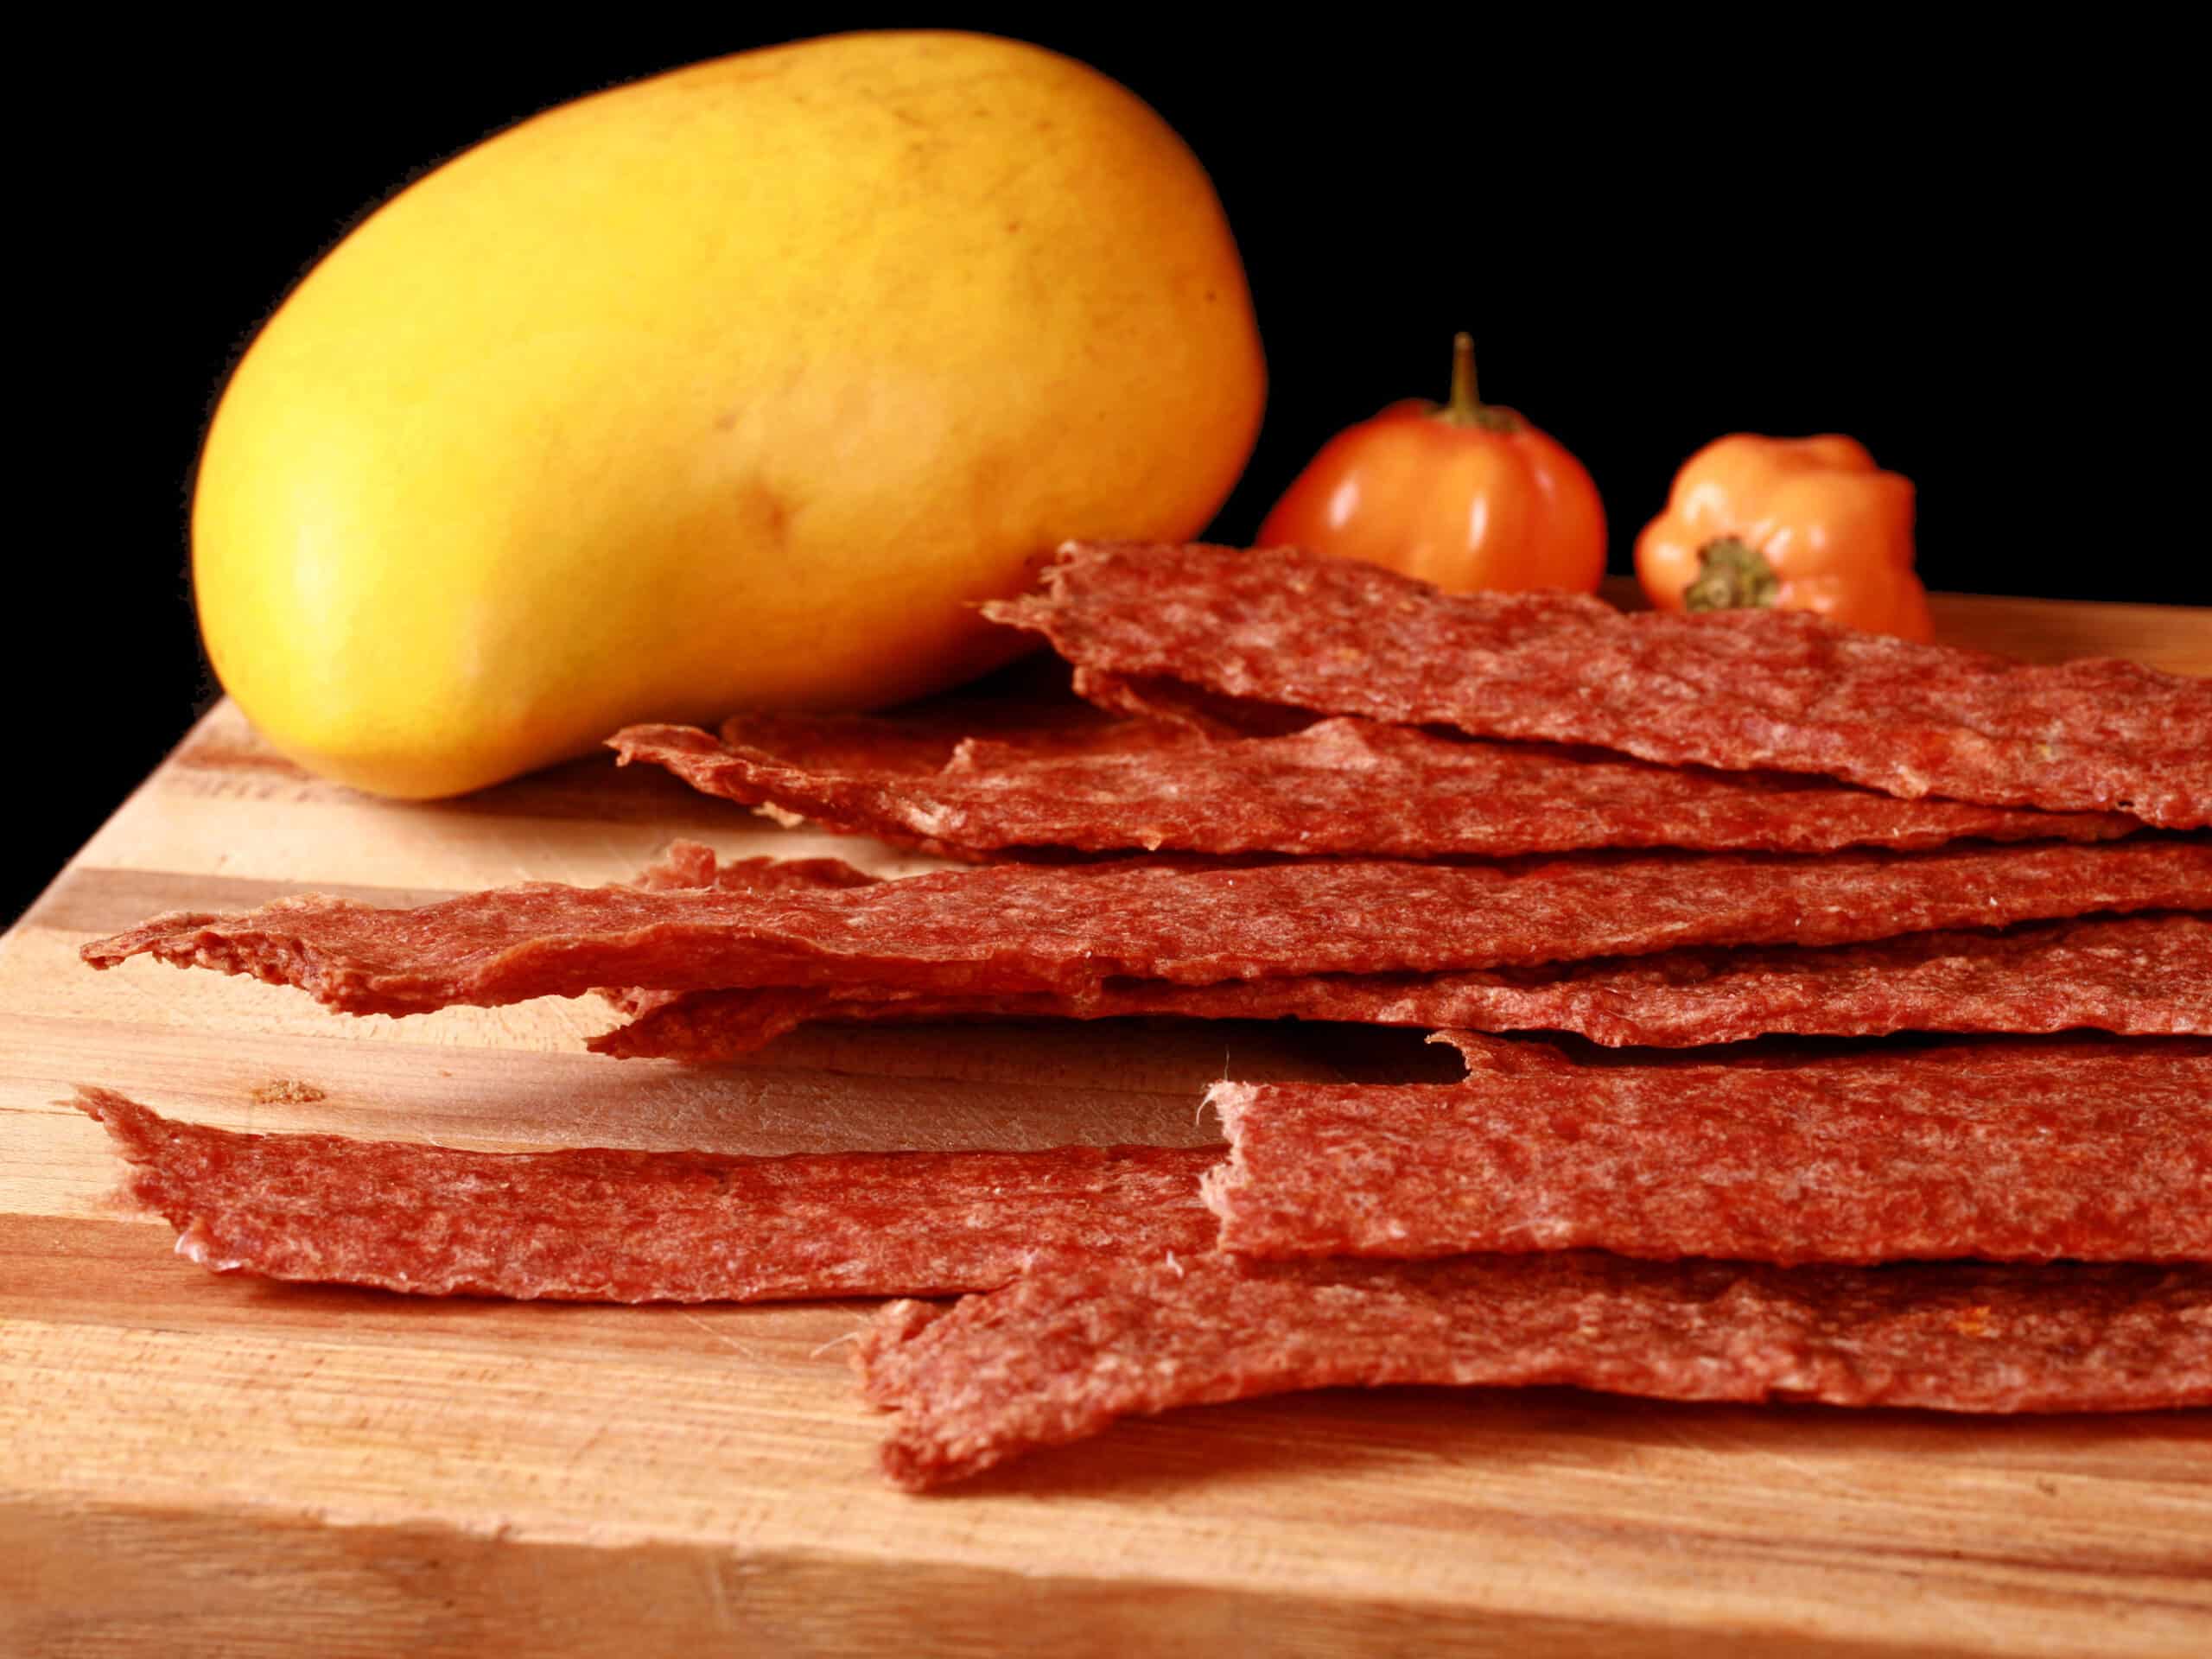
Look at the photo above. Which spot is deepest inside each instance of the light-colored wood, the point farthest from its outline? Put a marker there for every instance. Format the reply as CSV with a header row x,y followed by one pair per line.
x,y
199,1465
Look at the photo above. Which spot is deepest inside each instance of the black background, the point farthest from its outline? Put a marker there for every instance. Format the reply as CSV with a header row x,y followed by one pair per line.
x,y
1971,257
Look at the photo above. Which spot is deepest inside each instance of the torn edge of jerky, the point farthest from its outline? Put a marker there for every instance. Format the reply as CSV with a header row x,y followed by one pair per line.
x,y
1023,928
1138,784
2137,975
605,1225
2096,1150
684,864
1734,689
1061,1354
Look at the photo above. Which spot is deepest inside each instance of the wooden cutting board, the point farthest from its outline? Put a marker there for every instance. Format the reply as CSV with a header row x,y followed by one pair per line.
x,y
193,1465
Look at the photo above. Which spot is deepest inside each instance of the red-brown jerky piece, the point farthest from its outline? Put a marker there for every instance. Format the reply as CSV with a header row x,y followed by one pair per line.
x,y
592,1224
1031,928
1107,786
1736,689
2095,1150
689,864
1058,1355
2140,976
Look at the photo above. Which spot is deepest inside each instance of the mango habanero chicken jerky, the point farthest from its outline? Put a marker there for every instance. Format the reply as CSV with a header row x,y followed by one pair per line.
x,y
1341,786
2141,975
2096,1149
1061,929
1736,689
1059,1354
600,1225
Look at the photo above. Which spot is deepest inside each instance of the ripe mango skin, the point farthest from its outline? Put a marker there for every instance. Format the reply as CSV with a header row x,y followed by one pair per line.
x,y
734,388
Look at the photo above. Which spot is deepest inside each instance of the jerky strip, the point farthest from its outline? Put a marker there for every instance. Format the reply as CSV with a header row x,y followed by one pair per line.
x,y
2096,1151
1736,689
1141,784
689,864
2141,975
599,1225
1058,1356
1032,928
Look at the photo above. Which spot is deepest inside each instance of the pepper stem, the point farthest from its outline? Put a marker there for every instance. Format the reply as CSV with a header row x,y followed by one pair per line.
x,y
1464,402
1465,408
1731,575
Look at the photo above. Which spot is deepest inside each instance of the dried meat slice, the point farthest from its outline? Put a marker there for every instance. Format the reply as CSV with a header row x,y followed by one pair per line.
x,y
1783,690
1004,928
1058,1355
689,864
600,1225
2096,1150
2139,975
1114,785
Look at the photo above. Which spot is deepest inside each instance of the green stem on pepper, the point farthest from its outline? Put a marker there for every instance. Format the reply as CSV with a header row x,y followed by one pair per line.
x,y
1732,575
1465,408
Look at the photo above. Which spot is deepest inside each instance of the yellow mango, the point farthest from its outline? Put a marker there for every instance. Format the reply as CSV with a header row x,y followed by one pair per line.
x,y
734,388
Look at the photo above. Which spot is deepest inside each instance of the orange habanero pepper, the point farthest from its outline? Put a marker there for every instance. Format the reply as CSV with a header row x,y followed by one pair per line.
x,y
1798,523
1465,495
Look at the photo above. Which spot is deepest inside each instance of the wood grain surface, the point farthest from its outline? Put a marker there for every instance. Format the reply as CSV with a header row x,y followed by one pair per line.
x,y
198,1464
